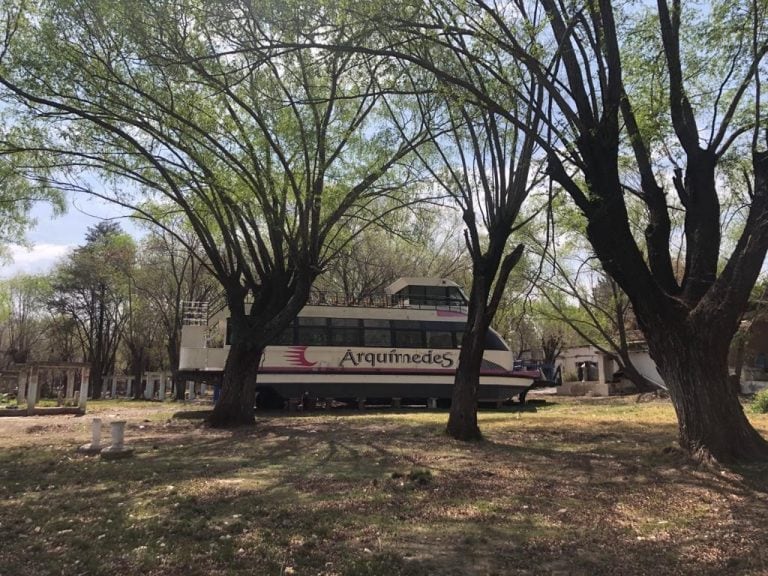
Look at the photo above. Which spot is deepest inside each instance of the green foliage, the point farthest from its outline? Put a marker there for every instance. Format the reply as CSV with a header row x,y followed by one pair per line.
x,y
760,402
102,263
18,194
23,321
272,155
426,244
90,289
420,476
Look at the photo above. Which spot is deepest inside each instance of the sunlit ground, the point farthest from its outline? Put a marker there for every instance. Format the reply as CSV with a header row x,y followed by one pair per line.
x,y
564,487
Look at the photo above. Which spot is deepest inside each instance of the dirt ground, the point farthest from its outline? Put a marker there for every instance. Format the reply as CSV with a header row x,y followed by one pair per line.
x,y
564,487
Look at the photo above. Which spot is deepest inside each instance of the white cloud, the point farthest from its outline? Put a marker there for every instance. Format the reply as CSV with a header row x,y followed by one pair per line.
x,y
38,258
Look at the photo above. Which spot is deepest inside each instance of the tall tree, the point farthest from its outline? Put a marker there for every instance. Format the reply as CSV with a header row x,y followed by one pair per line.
x,y
22,302
485,163
652,102
91,288
676,315
141,335
608,146
267,152
489,173
168,274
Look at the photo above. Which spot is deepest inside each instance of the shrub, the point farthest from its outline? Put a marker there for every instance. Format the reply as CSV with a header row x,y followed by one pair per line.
x,y
760,403
420,476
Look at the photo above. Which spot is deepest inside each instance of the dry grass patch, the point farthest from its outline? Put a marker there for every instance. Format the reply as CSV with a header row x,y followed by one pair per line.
x,y
566,487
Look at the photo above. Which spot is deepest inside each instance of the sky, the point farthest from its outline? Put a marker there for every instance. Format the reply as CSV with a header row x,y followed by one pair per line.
x,y
54,236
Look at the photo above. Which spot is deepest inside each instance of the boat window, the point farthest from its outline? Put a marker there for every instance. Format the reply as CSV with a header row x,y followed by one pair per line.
x,y
409,338
312,331
416,295
345,332
377,337
494,342
308,331
455,297
408,333
376,332
309,321
437,339
313,335
435,296
406,325
345,322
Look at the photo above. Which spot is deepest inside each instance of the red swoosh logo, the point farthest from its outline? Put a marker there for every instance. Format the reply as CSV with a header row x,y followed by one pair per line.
x,y
295,356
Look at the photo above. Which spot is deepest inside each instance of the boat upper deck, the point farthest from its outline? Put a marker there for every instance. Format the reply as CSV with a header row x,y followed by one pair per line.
x,y
428,294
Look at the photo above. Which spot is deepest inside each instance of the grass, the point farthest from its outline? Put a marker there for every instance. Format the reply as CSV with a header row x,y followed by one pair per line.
x,y
567,487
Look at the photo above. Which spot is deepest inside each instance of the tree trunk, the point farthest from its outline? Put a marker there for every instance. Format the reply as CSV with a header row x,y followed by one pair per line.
x,y
173,358
138,389
711,421
462,420
96,380
179,386
238,387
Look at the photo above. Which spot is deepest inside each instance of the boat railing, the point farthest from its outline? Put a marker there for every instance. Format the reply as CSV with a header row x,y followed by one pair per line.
x,y
325,298
196,313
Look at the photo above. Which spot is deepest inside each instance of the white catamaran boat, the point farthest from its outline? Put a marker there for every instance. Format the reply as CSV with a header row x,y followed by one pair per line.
x,y
401,344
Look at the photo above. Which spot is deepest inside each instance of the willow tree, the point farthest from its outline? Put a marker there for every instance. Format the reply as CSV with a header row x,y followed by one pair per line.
x,y
657,101
19,194
267,152
22,324
659,104
486,164
670,149
573,289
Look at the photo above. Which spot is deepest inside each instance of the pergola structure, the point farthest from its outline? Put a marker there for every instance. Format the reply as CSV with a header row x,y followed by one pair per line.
x,y
28,379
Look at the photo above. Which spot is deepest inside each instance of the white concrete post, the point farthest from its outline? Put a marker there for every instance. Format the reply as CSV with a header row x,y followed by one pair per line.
x,y
117,449
96,433
129,386
149,389
85,378
32,389
21,396
190,390
70,384
432,403
161,388
203,389
114,386
118,434
95,444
